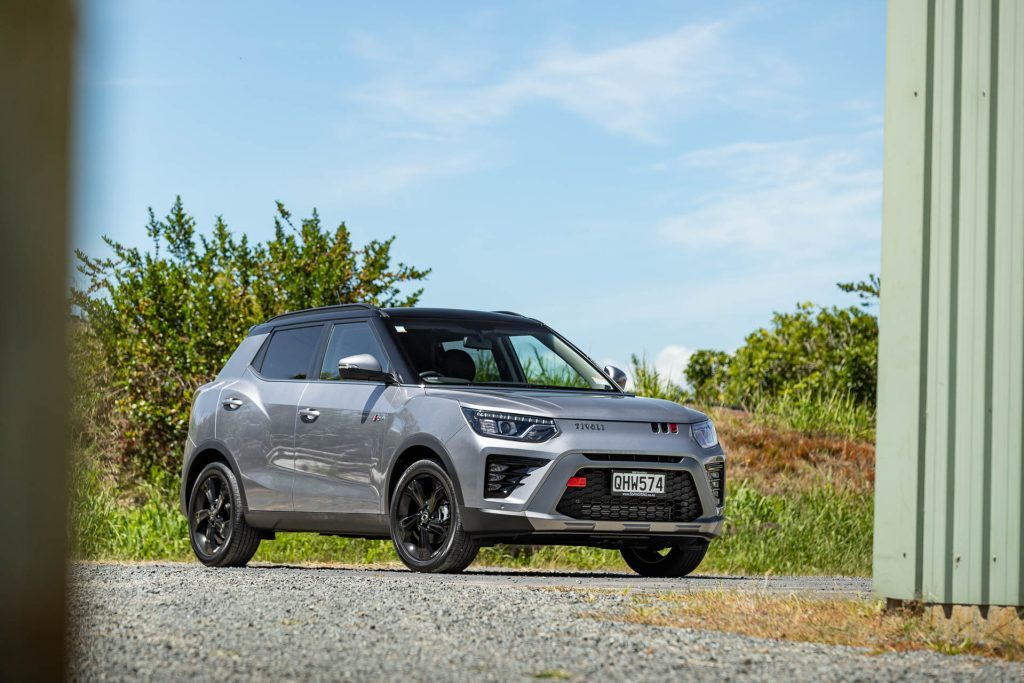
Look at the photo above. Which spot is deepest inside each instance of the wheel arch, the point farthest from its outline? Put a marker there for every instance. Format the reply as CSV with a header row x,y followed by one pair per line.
x,y
421,447
210,450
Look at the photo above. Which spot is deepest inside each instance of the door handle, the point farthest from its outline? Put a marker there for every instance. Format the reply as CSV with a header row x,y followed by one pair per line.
x,y
309,414
233,403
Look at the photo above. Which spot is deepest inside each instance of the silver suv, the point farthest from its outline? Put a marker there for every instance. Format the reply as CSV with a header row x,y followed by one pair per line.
x,y
444,430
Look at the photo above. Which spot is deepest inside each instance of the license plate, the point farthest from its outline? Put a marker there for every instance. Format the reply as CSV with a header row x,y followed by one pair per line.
x,y
642,484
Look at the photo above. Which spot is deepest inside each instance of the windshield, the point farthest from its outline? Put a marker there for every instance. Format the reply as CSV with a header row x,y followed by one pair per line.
x,y
455,352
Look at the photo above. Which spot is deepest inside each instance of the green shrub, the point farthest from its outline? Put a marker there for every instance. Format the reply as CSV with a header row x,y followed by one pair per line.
x,y
829,354
166,320
707,372
824,350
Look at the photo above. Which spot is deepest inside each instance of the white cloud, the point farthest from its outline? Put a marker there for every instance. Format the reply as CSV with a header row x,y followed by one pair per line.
x,y
803,197
671,363
630,89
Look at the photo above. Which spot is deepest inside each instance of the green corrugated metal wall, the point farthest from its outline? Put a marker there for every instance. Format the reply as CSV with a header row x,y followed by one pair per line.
x,y
949,523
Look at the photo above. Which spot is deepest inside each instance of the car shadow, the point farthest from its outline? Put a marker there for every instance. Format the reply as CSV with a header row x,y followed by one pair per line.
x,y
499,572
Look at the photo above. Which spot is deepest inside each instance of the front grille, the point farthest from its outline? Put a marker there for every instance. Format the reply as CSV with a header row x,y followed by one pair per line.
x,y
505,474
716,477
631,457
595,500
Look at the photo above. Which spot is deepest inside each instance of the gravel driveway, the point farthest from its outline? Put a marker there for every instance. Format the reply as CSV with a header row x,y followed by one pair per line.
x,y
180,621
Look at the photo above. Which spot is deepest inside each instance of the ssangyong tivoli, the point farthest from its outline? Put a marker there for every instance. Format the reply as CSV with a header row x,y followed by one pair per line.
x,y
443,430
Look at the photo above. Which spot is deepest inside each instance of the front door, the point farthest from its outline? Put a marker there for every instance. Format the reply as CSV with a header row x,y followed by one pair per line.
x,y
340,430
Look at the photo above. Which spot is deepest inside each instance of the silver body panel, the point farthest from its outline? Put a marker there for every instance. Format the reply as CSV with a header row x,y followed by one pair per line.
x,y
338,456
330,473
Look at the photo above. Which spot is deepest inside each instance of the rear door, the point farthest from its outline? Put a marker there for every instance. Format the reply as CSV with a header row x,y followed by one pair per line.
x,y
339,432
256,418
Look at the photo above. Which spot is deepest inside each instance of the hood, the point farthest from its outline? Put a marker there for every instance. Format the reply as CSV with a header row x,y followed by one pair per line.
x,y
572,405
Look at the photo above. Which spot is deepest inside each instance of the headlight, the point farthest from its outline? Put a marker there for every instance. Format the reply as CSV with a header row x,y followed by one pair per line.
x,y
508,426
704,433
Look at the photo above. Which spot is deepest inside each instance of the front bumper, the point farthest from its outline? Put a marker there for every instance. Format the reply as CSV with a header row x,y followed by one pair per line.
x,y
496,526
529,513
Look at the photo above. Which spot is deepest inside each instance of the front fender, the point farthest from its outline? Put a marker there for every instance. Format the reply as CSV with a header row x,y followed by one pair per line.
x,y
422,441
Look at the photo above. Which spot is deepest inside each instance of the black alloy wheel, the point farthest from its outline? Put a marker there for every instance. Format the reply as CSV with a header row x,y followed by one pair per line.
x,y
217,529
425,523
666,561
211,513
424,516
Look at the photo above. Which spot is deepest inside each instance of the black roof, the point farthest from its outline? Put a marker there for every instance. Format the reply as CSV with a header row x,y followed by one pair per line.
x,y
454,314
367,311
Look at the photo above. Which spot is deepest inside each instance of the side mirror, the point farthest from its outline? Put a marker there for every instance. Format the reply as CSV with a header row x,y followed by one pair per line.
x,y
618,376
363,366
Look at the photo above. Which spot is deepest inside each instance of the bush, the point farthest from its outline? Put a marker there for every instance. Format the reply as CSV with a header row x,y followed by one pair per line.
x,y
824,350
164,321
818,351
707,373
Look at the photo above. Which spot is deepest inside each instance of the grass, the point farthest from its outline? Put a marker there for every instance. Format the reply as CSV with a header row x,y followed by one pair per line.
x,y
798,502
860,623
819,531
648,382
813,414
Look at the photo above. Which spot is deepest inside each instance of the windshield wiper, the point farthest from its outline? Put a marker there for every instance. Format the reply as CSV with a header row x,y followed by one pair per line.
x,y
446,380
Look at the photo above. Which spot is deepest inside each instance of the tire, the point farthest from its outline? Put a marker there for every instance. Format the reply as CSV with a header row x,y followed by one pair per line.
x,y
680,560
228,541
426,526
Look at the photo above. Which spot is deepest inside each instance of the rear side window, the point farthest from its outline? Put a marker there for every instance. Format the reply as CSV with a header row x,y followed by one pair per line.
x,y
290,353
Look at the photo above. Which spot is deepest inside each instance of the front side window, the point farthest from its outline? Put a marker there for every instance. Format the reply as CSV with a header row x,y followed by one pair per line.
x,y
497,354
351,339
290,353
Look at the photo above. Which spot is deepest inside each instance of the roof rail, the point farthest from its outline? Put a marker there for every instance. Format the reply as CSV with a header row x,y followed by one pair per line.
x,y
335,307
518,315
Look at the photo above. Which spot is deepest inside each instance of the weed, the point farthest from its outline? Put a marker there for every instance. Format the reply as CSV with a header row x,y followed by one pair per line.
x,y
852,622
814,414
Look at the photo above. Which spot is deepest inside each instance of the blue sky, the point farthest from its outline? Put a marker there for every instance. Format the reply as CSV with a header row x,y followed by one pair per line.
x,y
645,177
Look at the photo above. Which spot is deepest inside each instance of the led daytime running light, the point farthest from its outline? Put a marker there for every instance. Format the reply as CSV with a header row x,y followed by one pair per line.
x,y
511,426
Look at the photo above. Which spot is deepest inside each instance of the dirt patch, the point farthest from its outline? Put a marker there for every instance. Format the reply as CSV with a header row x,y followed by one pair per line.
x,y
858,623
780,461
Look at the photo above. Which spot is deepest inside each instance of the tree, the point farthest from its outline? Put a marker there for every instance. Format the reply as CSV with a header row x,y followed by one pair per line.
x,y
869,291
165,320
